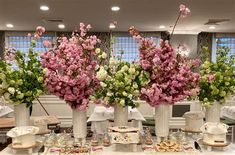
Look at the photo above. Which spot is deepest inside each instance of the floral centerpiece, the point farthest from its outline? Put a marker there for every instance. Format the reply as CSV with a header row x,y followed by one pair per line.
x,y
172,77
217,82
120,82
71,73
21,78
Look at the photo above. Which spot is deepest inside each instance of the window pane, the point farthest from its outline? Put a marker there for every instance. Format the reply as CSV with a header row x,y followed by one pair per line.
x,y
227,42
22,43
129,46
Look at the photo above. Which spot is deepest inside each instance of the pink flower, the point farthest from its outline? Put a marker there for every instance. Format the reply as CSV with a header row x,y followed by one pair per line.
x,y
184,10
172,77
46,43
211,77
71,68
40,30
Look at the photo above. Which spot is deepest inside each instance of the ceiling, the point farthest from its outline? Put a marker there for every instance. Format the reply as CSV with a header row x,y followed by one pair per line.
x,y
146,15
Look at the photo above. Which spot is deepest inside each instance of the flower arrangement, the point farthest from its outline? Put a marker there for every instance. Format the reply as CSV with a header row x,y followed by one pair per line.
x,y
71,68
120,82
217,82
172,77
21,74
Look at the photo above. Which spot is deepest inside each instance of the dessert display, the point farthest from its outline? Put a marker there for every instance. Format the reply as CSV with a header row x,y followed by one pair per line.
x,y
148,148
148,137
106,140
168,146
178,137
94,140
51,140
214,133
124,135
193,120
23,137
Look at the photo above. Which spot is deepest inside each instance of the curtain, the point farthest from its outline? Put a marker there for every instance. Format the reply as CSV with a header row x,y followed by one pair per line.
x,y
205,39
165,35
2,43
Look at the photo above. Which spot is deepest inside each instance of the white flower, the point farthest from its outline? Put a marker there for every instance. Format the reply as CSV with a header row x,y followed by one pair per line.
x,y
45,70
103,84
131,70
101,74
135,86
106,99
20,96
109,94
97,50
6,96
104,55
2,76
122,102
124,93
29,72
130,96
11,90
112,61
40,79
4,85
125,68
97,67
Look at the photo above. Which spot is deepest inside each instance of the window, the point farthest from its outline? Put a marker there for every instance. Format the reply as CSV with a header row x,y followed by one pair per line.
x,y
21,42
124,42
227,42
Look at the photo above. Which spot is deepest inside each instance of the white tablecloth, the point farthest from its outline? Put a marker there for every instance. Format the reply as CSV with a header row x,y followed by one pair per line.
x,y
230,150
101,115
228,111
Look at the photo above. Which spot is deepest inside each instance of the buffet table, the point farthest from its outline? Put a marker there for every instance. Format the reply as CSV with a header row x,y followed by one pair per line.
x,y
101,115
108,151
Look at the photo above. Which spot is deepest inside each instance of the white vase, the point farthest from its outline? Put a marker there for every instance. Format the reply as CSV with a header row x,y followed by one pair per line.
x,y
21,113
213,112
79,125
195,106
120,115
162,117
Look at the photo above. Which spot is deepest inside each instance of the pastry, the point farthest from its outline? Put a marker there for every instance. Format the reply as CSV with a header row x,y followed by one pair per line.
x,y
168,146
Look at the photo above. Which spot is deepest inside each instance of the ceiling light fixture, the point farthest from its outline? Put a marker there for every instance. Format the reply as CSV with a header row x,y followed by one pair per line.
x,y
44,8
10,25
115,8
61,26
212,27
162,26
112,26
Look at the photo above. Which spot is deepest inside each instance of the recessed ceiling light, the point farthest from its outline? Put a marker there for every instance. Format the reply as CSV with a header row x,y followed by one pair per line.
x,y
115,8
10,25
112,26
162,26
44,8
212,27
61,26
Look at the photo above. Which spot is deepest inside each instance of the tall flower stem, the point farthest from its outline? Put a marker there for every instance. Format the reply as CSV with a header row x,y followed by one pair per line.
x,y
175,25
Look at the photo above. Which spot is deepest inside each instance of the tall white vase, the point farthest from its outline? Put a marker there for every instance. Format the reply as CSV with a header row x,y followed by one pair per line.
x,y
162,117
120,115
195,106
80,125
21,113
213,112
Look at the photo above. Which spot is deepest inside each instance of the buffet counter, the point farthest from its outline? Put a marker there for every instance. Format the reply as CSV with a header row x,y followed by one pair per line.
x,y
230,150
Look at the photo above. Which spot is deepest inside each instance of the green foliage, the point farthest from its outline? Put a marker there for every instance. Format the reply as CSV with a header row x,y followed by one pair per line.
x,y
218,78
120,82
21,79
